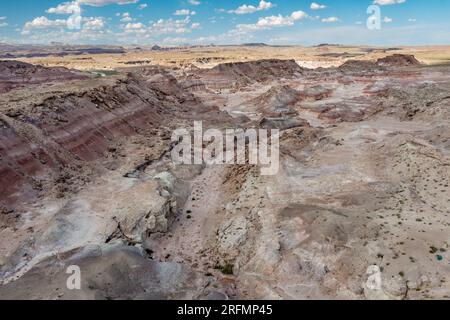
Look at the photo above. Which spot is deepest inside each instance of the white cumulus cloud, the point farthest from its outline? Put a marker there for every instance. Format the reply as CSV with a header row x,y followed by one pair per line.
x,y
3,23
330,19
316,6
101,3
244,9
66,8
94,23
126,17
184,12
273,22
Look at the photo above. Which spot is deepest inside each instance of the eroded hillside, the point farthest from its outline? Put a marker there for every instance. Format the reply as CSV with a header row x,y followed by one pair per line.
x,y
87,179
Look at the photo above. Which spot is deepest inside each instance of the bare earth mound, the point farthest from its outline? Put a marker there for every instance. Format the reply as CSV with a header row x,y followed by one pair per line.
x,y
16,74
398,60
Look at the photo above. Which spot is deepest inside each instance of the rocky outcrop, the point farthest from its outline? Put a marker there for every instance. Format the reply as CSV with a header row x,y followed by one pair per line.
x,y
42,139
260,70
277,100
398,60
243,73
231,235
109,273
316,93
143,216
16,74
358,66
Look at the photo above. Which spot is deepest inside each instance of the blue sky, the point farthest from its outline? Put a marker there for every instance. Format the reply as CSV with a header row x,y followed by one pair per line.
x,y
174,22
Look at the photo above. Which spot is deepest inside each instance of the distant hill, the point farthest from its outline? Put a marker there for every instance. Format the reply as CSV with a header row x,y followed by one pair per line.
x,y
256,44
11,51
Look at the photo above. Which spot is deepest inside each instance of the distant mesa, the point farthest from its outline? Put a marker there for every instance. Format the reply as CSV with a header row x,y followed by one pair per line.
x,y
255,44
55,49
158,48
260,70
94,50
327,45
239,74
398,60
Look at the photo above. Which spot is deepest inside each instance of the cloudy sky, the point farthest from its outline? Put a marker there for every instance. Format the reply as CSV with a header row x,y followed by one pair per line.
x,y
174,22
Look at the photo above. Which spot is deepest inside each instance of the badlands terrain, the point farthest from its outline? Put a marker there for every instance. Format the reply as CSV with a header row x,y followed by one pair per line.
x,y
358,210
